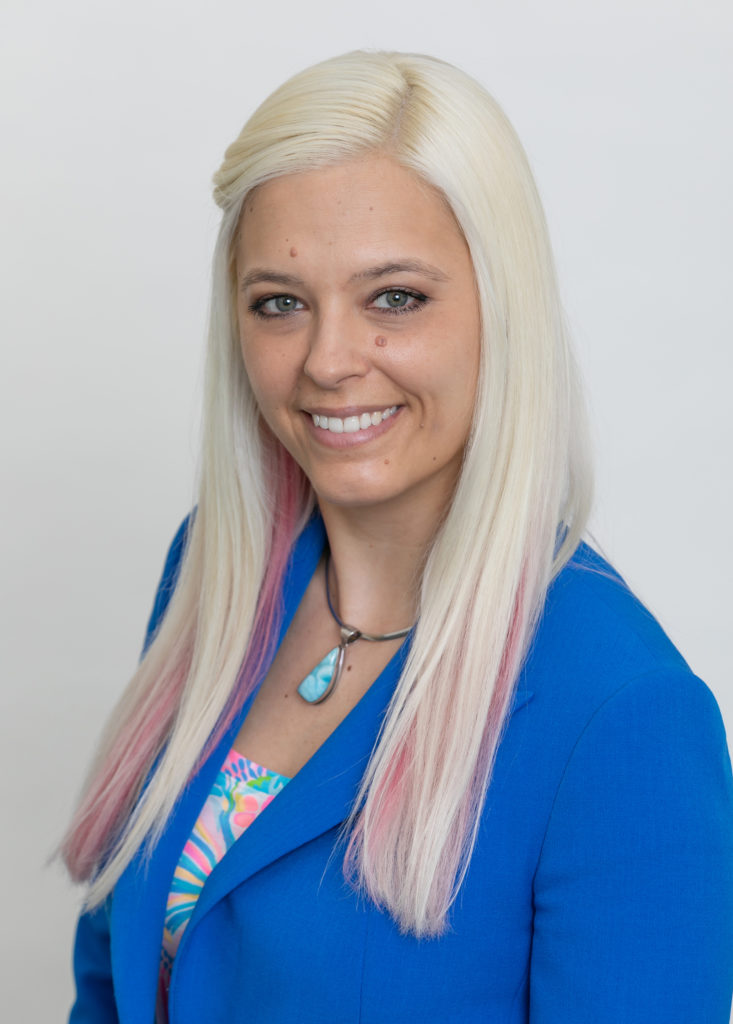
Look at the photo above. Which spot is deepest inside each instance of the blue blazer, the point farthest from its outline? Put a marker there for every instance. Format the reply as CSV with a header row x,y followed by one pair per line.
x,y
600,890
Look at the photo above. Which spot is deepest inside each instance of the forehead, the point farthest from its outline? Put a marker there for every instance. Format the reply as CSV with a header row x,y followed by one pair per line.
x,y
373,203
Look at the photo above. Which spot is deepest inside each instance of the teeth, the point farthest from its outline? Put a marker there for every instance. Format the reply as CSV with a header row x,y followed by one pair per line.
x,y
351,424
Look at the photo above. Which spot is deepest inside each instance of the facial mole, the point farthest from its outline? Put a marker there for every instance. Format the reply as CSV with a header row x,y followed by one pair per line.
x,y
386,462
293,251
380,340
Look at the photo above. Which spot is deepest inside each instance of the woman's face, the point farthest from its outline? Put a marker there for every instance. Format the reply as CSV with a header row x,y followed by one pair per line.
x,y
359,325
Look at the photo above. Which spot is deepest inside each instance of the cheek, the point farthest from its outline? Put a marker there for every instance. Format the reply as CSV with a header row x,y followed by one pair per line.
x,y
460,380
450,371
266,375
467,352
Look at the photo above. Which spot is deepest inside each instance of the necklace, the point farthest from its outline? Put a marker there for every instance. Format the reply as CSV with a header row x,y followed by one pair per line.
x,y
321,681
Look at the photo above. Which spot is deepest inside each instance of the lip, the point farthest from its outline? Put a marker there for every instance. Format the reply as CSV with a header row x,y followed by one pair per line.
x,y
349,440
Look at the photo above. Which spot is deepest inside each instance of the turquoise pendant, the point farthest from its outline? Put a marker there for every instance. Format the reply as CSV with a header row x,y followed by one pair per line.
x,y
318,684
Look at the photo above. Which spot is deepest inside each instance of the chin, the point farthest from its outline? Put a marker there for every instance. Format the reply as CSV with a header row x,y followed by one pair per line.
x,y
353,498
354,492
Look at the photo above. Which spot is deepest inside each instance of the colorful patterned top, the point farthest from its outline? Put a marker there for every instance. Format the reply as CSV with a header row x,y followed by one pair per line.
x,y
242,790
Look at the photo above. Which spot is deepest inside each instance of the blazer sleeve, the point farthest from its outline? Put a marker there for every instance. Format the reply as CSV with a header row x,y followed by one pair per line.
x,y
634,886
95,1001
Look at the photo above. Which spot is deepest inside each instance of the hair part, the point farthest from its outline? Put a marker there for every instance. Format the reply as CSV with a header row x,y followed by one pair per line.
x,y
518,513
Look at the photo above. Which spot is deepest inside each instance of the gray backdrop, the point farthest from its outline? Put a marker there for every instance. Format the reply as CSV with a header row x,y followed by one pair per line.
x,y
114,116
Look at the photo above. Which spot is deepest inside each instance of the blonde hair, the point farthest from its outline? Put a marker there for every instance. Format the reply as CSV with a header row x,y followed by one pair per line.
x,y
518,512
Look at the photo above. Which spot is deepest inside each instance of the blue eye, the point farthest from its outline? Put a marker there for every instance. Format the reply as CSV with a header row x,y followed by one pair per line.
x,y
399,300
275,305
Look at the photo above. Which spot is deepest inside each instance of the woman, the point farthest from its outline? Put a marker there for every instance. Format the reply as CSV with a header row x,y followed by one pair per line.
x,y
477,781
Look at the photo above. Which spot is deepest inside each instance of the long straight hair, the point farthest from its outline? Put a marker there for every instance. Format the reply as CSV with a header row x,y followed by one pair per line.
x,y
518,511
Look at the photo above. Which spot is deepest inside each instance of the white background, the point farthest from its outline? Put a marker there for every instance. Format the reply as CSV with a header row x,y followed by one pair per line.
x,y
114,116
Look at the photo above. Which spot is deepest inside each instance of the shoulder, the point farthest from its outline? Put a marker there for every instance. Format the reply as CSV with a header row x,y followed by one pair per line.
x,y
307,547
594,637
601,668
169,577
626,764
623,735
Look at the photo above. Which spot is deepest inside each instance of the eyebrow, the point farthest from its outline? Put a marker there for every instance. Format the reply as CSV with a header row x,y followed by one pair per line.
x,y
411,266
261,274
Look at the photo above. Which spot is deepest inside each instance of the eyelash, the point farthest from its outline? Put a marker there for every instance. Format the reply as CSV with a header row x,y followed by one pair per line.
x,y
257,307
421,300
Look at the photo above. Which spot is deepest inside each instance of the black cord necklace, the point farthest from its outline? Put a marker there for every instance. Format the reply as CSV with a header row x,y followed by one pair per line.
x,y
321,681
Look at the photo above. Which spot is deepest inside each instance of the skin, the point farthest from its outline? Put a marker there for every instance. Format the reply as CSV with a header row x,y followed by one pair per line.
x,y
356,294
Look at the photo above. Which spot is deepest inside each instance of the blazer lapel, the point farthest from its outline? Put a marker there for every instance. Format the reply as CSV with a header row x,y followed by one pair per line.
x,y
317,799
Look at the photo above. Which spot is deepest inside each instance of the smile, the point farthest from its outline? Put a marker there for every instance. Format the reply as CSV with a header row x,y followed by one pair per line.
x,y
350,424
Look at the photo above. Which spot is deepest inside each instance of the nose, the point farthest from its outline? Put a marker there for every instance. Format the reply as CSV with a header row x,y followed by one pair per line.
x,y
336,350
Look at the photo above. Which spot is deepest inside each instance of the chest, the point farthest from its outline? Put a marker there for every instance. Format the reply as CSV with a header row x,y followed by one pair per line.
x,y
282,936
282,731
296,942
278,935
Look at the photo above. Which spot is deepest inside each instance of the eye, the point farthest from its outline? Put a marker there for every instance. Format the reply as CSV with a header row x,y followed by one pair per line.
x,y
399,300
275,305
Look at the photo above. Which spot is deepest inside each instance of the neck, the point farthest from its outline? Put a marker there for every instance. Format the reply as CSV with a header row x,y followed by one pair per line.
x,y
377,557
